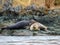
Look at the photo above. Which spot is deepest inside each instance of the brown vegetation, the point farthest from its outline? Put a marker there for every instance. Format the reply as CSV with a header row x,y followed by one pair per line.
x,y
50,4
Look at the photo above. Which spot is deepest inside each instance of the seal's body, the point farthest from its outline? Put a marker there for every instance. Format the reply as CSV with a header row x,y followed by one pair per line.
x,y
19,25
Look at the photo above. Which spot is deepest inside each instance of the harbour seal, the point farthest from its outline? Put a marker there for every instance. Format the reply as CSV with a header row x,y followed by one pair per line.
x,y
38,26
19,25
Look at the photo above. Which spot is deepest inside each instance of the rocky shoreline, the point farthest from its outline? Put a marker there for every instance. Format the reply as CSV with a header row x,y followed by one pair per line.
x,y
51,19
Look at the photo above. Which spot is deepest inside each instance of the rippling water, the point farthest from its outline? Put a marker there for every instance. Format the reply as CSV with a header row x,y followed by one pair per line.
x,y
30,40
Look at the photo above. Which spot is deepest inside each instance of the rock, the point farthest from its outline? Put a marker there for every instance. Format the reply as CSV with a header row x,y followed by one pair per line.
x,y
22,32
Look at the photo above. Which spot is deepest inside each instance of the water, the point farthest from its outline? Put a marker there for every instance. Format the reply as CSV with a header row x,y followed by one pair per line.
x,y
30,40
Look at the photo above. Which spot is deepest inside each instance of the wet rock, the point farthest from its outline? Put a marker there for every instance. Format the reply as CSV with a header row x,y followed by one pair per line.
x,y
22,32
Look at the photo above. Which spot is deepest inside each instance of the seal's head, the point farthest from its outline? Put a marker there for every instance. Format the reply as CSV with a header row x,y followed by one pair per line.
x,y
35,26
